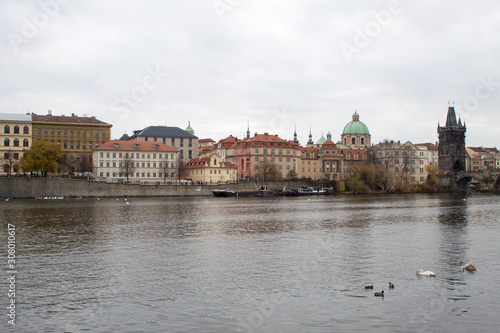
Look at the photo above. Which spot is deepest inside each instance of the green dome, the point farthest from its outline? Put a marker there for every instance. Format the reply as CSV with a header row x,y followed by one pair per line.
x,y
189,129
321,140
355,126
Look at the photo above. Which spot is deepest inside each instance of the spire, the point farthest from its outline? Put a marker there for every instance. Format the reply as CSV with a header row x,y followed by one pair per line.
x,y
310,142
295,135
329,136
248,129
451,118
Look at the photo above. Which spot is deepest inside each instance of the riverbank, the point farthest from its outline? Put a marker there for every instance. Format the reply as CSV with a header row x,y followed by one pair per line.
x,y
26,188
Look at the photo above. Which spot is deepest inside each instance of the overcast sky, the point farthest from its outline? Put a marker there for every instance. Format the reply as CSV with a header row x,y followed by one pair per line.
x,y
277,64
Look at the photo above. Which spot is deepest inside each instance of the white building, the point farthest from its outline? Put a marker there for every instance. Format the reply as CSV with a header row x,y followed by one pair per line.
x,y
143,162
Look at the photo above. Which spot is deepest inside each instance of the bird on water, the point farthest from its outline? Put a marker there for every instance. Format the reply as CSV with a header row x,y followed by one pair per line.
x,y
370,286
469,267
426,273
391,285
379,293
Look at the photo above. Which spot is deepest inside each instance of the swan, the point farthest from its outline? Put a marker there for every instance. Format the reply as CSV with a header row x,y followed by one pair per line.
x,y
127,203
469,267
370,286
391,285
379,293
426,273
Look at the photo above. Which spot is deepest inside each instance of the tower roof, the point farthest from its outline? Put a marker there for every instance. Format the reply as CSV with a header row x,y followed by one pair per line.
x,y
355,126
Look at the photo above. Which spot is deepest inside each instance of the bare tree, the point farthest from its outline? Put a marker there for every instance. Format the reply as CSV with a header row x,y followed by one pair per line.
x,y
166,167
127,166
268,170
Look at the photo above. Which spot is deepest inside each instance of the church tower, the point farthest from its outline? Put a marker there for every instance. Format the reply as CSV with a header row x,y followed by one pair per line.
x,y
451,150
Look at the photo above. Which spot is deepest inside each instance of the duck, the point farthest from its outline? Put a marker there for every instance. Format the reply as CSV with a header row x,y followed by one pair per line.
x,y
379,293
469,267
426,273
370,286
391,285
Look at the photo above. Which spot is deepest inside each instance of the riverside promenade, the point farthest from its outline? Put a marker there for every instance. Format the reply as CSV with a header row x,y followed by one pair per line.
x,y
25,188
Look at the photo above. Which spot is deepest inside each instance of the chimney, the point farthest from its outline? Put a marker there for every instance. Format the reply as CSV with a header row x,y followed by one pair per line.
x,y
49,113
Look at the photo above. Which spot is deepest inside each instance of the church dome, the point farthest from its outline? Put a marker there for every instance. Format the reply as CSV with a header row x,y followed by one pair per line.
x,y
355,126
189,129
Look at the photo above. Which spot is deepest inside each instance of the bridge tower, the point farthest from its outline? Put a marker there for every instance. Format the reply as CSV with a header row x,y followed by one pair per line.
x,y
451,150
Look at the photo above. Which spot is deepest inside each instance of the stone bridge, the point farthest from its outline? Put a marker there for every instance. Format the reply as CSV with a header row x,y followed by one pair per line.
x,y
482,180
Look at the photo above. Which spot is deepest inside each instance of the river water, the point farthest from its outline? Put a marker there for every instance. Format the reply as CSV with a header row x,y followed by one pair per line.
x,y
254,264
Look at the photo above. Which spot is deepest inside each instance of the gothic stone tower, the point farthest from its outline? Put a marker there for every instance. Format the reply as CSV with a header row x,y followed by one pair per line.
x,y
451,149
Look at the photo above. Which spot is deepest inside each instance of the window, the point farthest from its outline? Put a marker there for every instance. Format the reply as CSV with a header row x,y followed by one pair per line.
x,y
114,164
26,130
6,142
53,132
146,138
66,145
256,158
101,154
84,133
155,139
6,129
114,155
353,141
96,134
71,133
78,133
58,132
103,134
71,145
26,143
39,131
6,156
362,141
172,142
45,132
91,134
16,129
16,142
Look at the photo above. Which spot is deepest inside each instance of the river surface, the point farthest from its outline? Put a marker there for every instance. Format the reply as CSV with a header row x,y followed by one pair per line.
x,y
254,264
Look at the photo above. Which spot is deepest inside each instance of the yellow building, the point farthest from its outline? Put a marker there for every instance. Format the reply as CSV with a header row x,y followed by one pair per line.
x,y
15,135
210,170
77,137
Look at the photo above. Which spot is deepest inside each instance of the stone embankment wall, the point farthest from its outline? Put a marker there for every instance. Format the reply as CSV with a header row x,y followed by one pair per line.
x,y
72,188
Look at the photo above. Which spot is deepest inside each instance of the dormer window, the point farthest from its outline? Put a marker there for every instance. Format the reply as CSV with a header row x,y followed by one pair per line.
x,y
136,146
157,146
116,145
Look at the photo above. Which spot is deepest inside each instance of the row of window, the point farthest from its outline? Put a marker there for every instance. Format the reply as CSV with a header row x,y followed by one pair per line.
x,y
421,170
15,156
172,141
212,172
79,133
353,141
137,174
6,129
137,155
272,151
273,159
15,142
115,164
78,145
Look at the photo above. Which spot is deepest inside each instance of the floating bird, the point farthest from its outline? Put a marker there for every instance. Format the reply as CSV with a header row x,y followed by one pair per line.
x,y
127,203
426,273
370,286
391,285
469,267
379,293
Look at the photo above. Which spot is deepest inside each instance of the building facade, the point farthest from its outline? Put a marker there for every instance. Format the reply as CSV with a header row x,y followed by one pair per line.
x,y
175,137
77,137
451,148
250,152
136,162
210,170
15,135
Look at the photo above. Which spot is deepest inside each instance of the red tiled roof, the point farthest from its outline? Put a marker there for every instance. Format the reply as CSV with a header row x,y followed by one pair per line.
x,y
136,146
205,140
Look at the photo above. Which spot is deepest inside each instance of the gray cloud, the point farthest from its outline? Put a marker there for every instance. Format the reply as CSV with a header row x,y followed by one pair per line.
x,y
258,61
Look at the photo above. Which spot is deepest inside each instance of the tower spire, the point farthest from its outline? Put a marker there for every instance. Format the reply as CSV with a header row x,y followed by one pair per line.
x,y
248,129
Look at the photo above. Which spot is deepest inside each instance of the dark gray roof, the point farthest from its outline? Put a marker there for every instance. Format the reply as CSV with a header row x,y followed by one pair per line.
x,y
164,132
